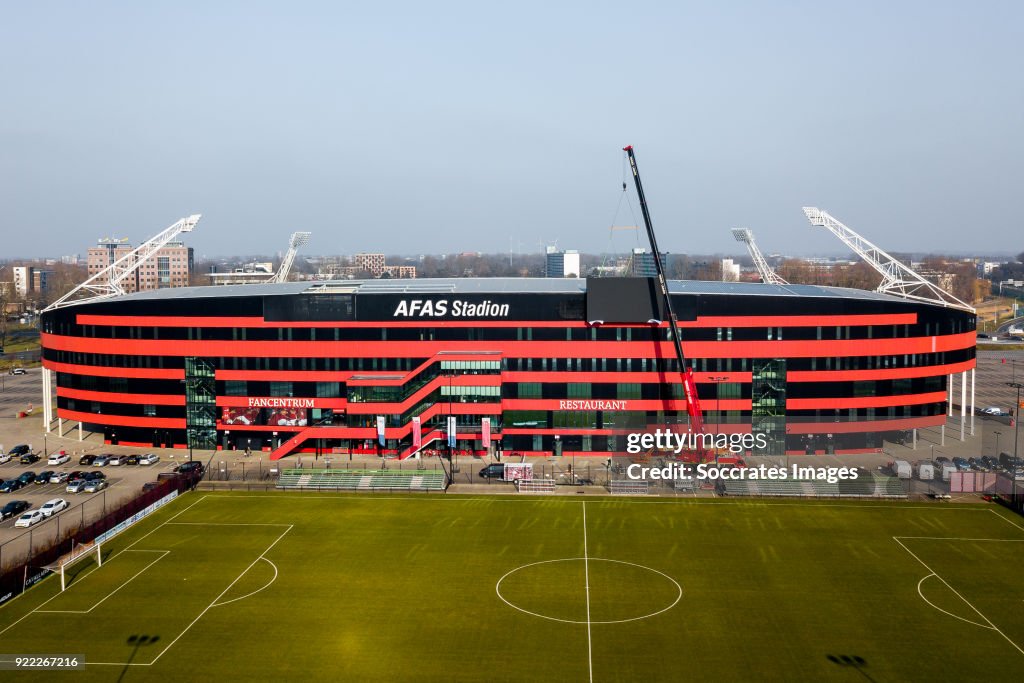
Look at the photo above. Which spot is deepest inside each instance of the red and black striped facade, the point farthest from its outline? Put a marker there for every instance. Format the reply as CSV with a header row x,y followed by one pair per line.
x,y
292,367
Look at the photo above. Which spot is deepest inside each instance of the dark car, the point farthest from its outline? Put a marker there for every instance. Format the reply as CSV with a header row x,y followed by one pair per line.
x,y
10,485
44,477
493,471
27,477
14,508
86,459
18,451
92,476
77,474
961,464
990,462
28,458
943,460
191,466
131,459
150,485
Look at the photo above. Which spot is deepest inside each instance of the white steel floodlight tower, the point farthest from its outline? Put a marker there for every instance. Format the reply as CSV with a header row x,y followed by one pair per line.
x,y
297,240
897,278
109,281
768,275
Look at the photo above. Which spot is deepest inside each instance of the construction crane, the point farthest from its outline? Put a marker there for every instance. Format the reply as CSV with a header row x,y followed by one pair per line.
x,y
689,384
109,281
768,276
297,240
897,278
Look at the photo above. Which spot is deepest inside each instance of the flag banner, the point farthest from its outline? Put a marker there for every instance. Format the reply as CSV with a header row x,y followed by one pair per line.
x,y
485,432
417,434
380,429
451,431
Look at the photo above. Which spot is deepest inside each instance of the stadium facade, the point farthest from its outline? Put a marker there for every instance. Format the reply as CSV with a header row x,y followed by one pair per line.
x,y
534,366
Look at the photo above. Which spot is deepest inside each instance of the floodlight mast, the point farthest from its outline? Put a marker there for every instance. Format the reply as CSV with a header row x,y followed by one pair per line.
x,y
768,275
689,385
897,279
297,240
108,282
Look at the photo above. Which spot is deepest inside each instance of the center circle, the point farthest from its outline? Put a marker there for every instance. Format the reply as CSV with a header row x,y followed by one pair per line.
x,y
594,590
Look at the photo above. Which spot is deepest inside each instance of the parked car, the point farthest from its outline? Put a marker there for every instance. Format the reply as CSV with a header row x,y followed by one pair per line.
x,y
94,485
150,485
11,485
14,508
44,477
190,466
961,464
29,518
58,459
92,476
993,410
52,507
59,477
5,457
132,459
86,459
149,459
493,471
115,460
17,371
100,460
28,458
76,486
18,451
943,460
27,477
990,462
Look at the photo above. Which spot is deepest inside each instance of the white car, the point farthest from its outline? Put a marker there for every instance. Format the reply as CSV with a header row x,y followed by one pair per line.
x,y
149,459
77,486
95,485
59,477
58,459
5,457
992,410
29,518
52,507
115,460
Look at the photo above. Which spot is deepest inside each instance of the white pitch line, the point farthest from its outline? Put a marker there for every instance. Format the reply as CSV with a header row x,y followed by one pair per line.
x,y
953,538
178,514
968,602
586,574
972,623
1006,519
222,593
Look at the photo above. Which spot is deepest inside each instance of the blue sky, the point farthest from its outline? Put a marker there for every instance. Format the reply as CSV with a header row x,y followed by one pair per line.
x,y
429,127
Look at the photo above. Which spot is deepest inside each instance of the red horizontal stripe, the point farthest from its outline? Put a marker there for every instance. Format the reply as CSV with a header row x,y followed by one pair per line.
x,y
117,397
864,425
884,373
864,401
516,349
649,377
702,321
122,420
104,371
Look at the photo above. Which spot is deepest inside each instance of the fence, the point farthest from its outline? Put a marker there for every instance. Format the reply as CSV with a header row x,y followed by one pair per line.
x,y
28,565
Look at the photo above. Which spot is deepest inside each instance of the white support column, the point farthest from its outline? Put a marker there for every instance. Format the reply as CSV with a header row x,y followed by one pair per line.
x,y
974,408
915,438
949,399
47,398
963,403
80,431
943,443
60,427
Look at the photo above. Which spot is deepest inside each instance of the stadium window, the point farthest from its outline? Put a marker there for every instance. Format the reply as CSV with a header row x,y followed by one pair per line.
x,y
149,410
769,334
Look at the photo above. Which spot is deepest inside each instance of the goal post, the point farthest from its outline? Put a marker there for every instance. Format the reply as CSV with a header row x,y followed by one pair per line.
x,y
76,554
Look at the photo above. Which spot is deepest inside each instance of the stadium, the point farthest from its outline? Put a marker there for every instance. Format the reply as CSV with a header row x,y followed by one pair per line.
x,y
532,366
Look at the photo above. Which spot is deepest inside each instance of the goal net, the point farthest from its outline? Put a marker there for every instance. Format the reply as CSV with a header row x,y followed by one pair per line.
x,y
77,553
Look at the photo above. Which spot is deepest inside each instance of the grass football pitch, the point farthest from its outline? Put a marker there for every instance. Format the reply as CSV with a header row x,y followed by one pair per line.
x,y
223,586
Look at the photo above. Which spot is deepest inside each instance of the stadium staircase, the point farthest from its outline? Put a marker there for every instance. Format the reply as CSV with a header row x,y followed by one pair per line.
x,y
362,480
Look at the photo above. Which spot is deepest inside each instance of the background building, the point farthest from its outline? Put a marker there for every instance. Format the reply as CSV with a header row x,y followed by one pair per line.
x,y
562,263
22,279
170,266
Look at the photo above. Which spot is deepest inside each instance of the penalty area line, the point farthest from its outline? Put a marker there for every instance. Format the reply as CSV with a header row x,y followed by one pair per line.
x,y
957,593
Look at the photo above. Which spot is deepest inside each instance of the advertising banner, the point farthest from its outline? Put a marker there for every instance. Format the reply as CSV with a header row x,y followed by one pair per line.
x,y
451,431
417,432
380,429
485,432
